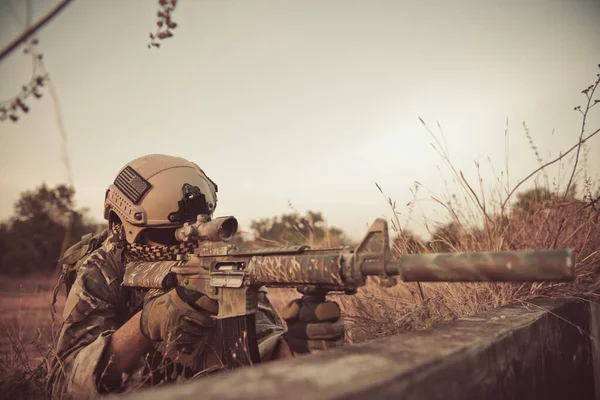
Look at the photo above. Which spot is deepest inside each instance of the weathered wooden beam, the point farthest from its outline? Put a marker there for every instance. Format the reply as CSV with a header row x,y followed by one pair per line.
x,y
516,352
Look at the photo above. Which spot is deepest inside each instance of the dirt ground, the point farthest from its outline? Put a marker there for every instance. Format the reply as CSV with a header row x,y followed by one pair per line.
x,y
25,316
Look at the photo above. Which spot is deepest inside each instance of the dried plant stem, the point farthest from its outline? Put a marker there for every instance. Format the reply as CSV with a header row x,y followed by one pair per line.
x,y
590,95
547,165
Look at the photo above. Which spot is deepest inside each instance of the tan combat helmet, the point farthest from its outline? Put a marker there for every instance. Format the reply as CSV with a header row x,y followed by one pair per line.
x,y
159,191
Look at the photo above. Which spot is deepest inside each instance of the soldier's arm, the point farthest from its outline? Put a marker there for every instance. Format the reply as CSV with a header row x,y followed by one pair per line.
x,y
90,321
123,353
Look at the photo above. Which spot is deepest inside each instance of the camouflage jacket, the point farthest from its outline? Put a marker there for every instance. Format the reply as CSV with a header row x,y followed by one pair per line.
x,y
98,304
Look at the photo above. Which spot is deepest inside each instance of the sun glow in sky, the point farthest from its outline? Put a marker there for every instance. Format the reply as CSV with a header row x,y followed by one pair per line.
x,y
308,102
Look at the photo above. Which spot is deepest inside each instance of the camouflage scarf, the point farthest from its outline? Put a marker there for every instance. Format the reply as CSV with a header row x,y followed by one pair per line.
x,y
142,252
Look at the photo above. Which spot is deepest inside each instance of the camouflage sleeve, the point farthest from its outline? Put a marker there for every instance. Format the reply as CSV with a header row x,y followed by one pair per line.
x,y
269,328
90,317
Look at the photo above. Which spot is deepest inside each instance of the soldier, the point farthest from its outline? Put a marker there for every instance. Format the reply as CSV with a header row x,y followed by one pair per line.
x,y
116,338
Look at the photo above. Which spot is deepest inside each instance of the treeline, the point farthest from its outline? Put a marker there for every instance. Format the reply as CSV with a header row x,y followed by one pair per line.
x,y
32,239
294,228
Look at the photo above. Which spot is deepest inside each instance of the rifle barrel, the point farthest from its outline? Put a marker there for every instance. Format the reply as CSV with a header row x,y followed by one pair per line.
x,y
502,266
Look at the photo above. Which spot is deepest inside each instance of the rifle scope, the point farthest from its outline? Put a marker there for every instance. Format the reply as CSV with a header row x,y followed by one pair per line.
x,y
219,229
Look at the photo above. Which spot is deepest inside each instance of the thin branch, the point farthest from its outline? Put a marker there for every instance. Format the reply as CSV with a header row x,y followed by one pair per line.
x,y
479,203
587,109
32,30
548,164
66,159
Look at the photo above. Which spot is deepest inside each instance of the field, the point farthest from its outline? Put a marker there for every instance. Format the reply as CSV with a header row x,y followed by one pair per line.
x,y
25,309
27,331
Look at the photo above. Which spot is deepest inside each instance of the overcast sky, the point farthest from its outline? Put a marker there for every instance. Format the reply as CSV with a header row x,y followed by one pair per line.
x,y
308,102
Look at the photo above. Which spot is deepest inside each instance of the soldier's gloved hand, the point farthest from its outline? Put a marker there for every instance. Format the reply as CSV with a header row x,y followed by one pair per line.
x,y
184,323
313,324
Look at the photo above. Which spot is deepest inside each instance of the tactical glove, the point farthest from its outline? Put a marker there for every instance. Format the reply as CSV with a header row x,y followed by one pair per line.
x,y
168,318
313,324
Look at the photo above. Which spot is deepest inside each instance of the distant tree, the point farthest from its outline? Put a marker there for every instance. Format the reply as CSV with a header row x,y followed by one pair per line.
x,y
408,243
297,229
446,238
531,200
32,239
4,229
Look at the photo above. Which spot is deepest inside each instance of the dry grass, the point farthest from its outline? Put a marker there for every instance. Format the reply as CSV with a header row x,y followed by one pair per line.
x,y
27,332
491,220
377,312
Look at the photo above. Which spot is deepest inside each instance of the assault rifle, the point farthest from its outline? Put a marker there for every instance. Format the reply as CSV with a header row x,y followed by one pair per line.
x,y
232,276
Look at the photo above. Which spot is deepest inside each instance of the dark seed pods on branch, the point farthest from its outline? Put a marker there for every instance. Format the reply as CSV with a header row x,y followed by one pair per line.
x,y
165,24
